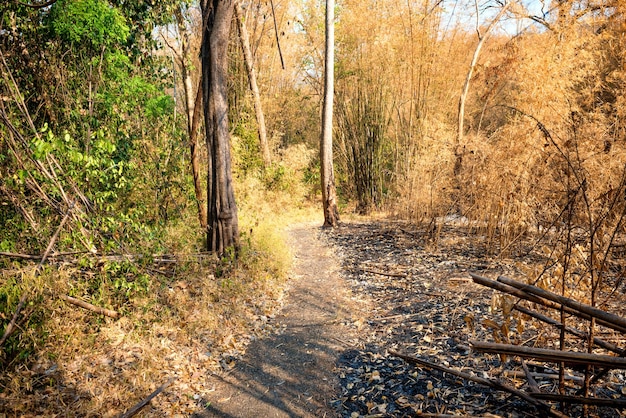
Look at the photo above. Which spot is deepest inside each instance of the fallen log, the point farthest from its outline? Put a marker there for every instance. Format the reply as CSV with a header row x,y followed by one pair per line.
x,y
614,321
496,384
90,307
555,356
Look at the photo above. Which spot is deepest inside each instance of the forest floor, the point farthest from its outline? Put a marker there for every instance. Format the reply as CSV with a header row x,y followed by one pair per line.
x,y
363,290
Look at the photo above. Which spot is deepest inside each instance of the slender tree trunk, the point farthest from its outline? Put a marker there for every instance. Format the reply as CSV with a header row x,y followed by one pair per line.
x,y
192,108
222,228
329,194
247,53
459,151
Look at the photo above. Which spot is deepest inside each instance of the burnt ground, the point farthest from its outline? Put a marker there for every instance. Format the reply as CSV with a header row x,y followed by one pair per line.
x,y
364,289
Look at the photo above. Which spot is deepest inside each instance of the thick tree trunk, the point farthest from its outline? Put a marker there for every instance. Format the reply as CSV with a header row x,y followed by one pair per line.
x,y
192,108
247,53
222,228
329,194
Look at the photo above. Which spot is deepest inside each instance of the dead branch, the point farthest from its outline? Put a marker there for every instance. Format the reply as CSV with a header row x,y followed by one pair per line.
x,y
614,321
581,334
553,376
381,273
612,403
90,307
483,381
502,287
554,356
132,411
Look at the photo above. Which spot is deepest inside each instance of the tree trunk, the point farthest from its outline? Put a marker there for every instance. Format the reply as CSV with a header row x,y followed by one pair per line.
x,y
329,194
192,108
222,228
459,150
247,53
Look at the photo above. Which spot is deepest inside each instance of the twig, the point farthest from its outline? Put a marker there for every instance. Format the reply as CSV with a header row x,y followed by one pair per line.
x,y
132,411
90,307
554,376
385,274
486,382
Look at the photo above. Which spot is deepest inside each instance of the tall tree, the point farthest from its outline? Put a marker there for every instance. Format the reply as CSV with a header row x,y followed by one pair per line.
x,y
222,228
249,60
192,109
329,193
459,151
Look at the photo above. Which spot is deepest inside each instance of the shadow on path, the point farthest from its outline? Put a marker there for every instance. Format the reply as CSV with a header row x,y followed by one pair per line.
x,y
291,374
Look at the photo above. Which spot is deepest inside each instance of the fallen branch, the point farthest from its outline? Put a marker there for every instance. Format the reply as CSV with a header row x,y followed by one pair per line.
x,y
483,381
90,307
581,334
553,376
132,411
554,356
612,403
614,321
381,273
505,288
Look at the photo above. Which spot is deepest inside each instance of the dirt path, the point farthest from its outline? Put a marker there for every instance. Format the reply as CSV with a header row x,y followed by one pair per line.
x,y
291,374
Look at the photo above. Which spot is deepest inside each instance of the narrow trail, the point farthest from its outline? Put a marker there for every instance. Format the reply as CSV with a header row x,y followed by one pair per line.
x,y
290,374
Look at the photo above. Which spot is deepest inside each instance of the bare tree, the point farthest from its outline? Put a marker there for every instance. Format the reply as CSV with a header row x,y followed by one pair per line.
x,y
192,108
459,152
329,193
222,228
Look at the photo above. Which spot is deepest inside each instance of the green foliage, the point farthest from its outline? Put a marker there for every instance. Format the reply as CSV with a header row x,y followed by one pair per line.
x,y
101,173
92,23
246,148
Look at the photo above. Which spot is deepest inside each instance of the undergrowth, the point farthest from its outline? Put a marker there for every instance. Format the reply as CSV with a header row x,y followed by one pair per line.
x,y
183,313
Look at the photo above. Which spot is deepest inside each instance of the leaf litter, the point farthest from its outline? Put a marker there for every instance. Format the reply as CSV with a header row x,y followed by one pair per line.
x,y
423,303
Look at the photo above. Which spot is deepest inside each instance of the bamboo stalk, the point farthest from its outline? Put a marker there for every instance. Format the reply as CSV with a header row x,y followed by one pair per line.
x,y
11,326
90,307
483,381
502,287
614,321
556,356
553,376
581,334
613,403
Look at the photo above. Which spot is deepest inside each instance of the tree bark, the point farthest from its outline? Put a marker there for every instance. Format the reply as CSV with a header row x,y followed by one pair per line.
x,y
192,108
222,227
258,109
329,193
